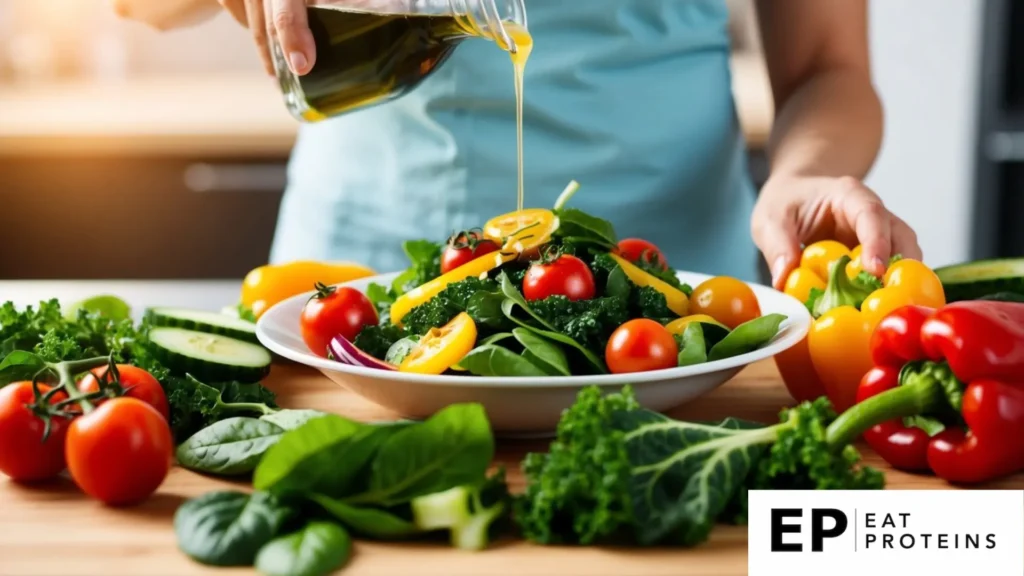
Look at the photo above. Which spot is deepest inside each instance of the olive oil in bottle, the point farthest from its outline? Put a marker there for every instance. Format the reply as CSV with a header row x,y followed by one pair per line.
x,y
365,58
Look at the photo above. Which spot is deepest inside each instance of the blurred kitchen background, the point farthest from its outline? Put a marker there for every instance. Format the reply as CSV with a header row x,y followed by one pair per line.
x,y
131,153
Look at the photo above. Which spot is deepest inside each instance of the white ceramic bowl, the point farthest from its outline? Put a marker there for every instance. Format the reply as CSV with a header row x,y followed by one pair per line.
x,y
523,406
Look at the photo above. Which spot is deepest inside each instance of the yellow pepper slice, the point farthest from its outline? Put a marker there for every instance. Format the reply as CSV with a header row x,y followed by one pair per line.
x,y
421,294
267,285
522,232
678,326
676,299
441,348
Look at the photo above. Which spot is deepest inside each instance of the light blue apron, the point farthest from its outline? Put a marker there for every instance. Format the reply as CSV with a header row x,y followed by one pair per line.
x,y
632,98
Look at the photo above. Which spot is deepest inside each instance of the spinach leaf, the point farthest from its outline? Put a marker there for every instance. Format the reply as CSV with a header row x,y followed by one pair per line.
x,y
379,296
228,528
580,225
493,360
325,455
684,474
319,548
229,447
495,338
514,298
451,448
425,259
747,337
618,284
370,522
20,365
692,350
542,351
485,309
292,419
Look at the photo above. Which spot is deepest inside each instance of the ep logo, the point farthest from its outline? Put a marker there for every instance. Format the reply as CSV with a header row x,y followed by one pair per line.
x,y
824,523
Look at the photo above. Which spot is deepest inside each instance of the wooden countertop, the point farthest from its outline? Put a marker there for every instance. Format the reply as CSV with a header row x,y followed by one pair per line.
x,y
53,530
206,116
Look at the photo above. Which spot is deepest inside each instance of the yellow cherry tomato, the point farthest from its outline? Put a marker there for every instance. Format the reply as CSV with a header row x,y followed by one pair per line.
x,y
676,299
421,294
907,282
522,232
854,268
728,300
678,326
839,349
441,348
267,285
800,283
819,256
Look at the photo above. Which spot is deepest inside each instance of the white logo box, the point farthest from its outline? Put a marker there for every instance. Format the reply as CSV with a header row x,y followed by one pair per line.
x,y
899,532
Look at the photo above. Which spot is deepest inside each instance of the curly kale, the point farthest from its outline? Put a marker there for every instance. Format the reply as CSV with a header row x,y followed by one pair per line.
x,y
376,340
618,472
440,309
578,492
589,322
646,302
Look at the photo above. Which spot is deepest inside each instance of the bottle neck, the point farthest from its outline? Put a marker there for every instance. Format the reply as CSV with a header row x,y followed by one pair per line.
x,y
489,18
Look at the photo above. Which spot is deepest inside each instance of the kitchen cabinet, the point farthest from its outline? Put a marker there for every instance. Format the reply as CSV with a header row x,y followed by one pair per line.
x,y
161,217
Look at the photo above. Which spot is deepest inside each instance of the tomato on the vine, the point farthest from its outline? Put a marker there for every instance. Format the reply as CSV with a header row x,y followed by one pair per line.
x,y
565,275
638,250
728,300
24,456
136,382
120,452
465,247
641,345
332,312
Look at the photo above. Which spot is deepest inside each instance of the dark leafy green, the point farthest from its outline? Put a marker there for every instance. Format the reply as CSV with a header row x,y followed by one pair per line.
x,y
425,265
228,528
583,227
229,447
484,308
542,352
692,348
747,337
369,522
317,549
494,360
451,301
377,340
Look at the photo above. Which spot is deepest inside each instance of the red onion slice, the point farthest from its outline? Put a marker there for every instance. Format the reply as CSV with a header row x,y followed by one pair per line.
x,y
346,353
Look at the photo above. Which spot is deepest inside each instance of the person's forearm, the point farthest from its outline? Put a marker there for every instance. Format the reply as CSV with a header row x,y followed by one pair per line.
x,y
830,125
166,14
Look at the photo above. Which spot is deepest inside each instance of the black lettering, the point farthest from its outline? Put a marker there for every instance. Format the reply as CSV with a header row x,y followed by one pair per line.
x,y
925,537
991,539
973,541
904,515
956,541
779,528
818,531
869,539
869,520
886,540
888,522
943,541
903,541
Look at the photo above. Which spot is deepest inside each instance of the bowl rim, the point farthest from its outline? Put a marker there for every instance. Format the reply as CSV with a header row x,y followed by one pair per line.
x,y
794,329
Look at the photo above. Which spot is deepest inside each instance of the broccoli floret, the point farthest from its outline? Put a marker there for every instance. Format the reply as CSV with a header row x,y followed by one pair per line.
x,y
646,302
589,322
440,309
578,492
376,340
469,513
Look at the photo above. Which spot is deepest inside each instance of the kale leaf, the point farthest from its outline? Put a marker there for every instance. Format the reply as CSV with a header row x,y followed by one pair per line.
x,y
376,340
451,301
589,322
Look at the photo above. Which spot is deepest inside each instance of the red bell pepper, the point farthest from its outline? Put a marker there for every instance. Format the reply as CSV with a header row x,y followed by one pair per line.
x,y
947,391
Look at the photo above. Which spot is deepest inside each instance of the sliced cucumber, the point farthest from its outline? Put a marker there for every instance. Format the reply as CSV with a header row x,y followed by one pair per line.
x,y
209,357
203,321
973,280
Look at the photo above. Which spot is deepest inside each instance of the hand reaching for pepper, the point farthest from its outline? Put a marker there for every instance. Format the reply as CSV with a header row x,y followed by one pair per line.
x,y
800,210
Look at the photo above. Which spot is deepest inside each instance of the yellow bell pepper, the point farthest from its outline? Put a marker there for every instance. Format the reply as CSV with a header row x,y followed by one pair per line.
x,y
676,299
422,294
835,355
267,285
442,348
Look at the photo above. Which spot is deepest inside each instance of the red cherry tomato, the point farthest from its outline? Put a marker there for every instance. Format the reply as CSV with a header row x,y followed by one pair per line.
x,y
641,345
24,456
465,247
566,276
120,452
335,311
637,250
137,382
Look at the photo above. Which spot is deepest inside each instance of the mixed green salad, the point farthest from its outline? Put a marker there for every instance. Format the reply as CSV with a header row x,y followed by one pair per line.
x,y
537,293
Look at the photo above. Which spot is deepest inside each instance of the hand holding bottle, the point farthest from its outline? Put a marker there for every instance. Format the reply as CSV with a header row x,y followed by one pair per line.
x,y
284,18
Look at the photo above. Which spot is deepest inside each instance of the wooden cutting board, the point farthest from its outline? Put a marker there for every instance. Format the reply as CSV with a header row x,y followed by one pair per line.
x,y
53,530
